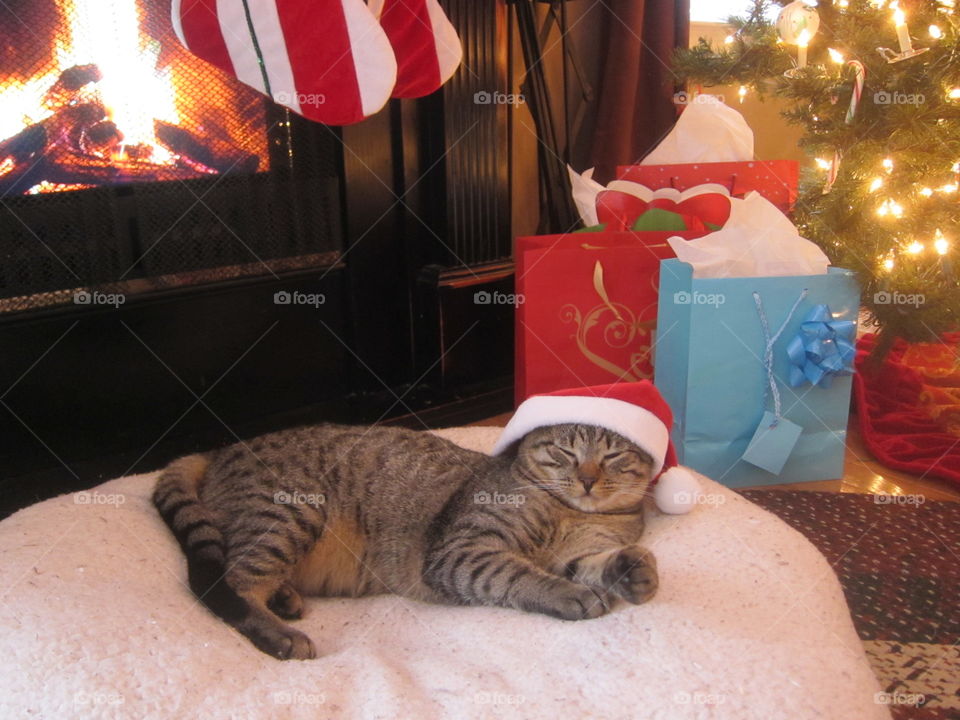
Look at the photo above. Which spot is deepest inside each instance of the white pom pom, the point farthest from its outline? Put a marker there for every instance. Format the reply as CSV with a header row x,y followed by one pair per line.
x,y
676,491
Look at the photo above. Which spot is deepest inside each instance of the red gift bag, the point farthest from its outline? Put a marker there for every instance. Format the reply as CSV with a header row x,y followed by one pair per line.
x,y
776,180
587,308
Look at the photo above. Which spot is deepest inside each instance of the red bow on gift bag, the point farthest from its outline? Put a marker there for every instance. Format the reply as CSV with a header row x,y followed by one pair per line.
x,y
776,180
702,208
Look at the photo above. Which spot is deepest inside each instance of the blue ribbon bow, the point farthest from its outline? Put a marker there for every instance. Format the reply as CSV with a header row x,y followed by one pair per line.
x,y
823,349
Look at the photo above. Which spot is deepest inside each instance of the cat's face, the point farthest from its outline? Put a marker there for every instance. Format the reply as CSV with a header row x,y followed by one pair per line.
x,y
586,467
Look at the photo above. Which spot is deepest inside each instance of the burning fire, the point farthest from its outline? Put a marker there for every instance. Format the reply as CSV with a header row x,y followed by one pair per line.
x,y
105,110
134,91
106,33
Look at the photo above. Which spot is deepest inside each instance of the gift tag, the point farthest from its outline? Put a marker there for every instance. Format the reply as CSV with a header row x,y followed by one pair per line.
x,y
772,444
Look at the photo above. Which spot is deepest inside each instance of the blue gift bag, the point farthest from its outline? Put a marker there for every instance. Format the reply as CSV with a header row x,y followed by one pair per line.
x,y
713,367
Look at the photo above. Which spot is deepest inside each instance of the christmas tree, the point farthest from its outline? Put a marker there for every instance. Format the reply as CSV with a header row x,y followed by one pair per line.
x,y
876,87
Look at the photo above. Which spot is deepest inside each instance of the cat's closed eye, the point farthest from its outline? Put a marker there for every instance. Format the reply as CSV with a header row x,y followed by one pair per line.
x,y
589,468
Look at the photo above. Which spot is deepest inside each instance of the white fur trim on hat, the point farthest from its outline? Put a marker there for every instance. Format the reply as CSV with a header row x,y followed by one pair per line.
x,y
676,491
635,423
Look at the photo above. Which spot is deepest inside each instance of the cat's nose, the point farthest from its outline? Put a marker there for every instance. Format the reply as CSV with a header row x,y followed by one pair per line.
x,y
588,482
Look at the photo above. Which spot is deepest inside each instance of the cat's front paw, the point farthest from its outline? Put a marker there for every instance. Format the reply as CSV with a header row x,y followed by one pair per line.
x,y
574,602
284,642
632,574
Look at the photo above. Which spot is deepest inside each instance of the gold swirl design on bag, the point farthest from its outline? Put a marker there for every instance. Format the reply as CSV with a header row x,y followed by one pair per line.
x,y
619,329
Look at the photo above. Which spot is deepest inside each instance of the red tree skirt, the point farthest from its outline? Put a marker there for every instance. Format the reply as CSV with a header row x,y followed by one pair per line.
x,y
909,406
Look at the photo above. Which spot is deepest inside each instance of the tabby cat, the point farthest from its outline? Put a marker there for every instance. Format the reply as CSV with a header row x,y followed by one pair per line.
x,y
551,526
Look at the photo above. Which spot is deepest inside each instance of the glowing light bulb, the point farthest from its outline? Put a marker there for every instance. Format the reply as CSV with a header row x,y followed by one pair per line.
x,y
742,93
940,244
803,40
954,94
896,209
844,4
728,40
926,192
956,167
935,32
824,164
876,184
888,264
951,188
884,208
888,164
836,56
915,248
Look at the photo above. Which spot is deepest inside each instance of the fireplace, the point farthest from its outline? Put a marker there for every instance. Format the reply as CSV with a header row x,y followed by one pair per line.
x,y
201,203
126,162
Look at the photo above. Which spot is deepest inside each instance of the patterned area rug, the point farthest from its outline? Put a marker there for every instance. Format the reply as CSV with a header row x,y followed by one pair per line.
x,y
898,559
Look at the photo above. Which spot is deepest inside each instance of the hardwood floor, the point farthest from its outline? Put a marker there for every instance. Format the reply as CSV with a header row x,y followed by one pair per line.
x,y
863,474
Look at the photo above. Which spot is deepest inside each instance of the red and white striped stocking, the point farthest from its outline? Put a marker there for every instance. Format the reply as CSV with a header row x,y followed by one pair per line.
x,y
328,60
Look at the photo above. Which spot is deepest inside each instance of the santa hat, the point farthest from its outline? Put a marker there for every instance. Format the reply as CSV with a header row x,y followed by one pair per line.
x,y
634,410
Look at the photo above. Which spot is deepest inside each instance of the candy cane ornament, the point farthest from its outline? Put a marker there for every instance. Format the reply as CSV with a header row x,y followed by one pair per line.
x,y
833,172
859,78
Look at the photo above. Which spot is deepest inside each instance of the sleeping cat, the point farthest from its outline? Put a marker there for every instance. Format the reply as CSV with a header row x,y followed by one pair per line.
x,y
551,526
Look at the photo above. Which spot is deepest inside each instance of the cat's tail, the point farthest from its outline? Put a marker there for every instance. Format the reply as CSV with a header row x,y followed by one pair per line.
x,y
177,498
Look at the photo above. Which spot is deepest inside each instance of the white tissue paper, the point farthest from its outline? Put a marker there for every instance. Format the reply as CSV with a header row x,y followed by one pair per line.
x,y
708,130
757,241
585,190
677,196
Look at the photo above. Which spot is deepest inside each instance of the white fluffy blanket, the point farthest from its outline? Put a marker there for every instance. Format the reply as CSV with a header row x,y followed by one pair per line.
x,y
749,622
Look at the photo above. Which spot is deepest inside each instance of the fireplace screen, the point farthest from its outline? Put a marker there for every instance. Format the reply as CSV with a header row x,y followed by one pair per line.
x,y
124,159
97,92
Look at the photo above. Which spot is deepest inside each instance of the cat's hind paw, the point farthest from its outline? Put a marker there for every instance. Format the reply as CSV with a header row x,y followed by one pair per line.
x,y
287,603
